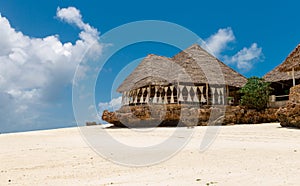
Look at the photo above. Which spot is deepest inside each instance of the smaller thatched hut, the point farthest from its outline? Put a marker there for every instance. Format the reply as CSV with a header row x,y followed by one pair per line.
x,y
292,63
285,76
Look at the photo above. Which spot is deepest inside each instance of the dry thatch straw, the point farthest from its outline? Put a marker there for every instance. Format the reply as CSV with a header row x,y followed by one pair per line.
x,y
292,61
194,55
150,71
183,67
276,75
283,71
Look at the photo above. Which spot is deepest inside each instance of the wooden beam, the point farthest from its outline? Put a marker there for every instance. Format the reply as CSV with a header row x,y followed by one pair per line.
x,y
293,74
178,92
207,100
227,90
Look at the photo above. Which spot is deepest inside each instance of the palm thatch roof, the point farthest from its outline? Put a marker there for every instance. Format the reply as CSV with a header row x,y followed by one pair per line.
x,y
292,61
280,73
205,68
276,75
153,70
193,65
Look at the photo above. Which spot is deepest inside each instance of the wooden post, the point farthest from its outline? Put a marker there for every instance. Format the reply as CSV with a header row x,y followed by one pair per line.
x,y
149,102
293,74
207,100
227,89
177,92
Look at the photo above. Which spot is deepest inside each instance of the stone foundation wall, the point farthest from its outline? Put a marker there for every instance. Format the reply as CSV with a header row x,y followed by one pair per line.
x,y
295,94
290,115
177,115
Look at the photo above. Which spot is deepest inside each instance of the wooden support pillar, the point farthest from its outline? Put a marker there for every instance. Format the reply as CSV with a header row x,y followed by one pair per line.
x,y
227,95
293,74
155,96
207,100
149,95
172,94
177,92
227,90
166,96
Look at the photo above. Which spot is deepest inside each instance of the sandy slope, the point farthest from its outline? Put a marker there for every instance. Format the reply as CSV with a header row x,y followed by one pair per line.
x,y
241,155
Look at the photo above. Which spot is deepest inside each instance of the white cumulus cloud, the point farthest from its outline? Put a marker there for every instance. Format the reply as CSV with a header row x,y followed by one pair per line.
x,y
245,58
72,15
218,43
35,72
113,104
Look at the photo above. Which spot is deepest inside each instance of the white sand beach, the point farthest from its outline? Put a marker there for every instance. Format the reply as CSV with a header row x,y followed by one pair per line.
x,y
264,154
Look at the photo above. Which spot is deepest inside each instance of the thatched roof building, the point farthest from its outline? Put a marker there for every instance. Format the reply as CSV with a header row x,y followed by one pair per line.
x,y
292,62
191,76
287,74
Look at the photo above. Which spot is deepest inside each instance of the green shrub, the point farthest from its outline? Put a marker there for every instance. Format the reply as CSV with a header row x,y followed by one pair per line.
x,y
255,93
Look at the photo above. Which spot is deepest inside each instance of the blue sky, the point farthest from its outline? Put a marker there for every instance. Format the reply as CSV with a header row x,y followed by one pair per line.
x,y
37,67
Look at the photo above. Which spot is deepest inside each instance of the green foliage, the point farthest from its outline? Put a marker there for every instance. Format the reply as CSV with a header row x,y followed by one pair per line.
x,y
255,93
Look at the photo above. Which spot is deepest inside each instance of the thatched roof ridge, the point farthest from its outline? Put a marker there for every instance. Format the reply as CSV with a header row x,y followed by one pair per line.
x,y
194,55
183,67
292,61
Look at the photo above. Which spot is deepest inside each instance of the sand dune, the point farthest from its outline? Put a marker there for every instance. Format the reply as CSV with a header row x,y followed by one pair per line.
x,y
241,155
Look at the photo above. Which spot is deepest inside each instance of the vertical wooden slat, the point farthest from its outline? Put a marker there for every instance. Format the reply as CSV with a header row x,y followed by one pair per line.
x,y
207,100
227,89
293,74
227,94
